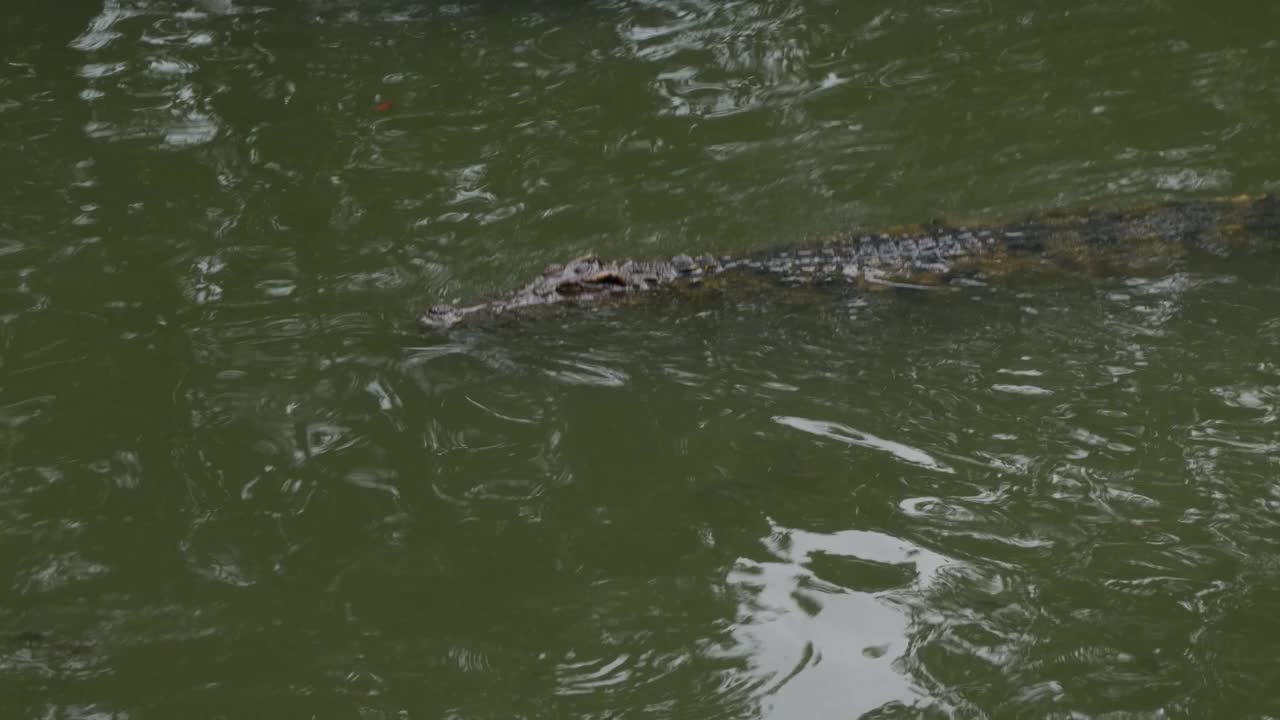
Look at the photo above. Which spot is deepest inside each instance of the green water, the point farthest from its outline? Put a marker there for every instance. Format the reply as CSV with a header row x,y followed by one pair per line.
x,y
237,482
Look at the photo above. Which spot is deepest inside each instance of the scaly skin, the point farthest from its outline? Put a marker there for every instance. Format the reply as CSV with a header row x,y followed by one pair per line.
x,y
926,256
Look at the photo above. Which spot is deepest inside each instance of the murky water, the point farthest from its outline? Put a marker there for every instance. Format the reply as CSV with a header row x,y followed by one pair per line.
x,y
236,481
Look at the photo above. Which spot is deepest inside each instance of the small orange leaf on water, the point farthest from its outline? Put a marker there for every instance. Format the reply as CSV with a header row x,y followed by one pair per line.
x,y
384,106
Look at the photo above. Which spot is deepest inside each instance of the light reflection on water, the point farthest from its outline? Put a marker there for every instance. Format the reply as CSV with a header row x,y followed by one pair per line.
x,y
806,634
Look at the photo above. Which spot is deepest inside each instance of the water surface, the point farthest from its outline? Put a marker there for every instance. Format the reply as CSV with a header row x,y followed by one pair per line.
x,y
236,481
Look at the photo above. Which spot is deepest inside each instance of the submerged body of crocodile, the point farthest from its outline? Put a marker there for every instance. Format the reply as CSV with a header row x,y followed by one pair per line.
x,y
925,255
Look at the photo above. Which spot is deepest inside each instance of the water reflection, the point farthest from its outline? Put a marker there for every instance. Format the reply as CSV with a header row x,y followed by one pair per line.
x,y
822,613
162,98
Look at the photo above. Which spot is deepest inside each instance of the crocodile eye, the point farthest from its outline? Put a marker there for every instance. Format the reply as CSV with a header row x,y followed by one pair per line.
x,y
608,277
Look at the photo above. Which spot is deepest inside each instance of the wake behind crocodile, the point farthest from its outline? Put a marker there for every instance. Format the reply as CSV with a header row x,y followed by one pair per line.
x,y
921,257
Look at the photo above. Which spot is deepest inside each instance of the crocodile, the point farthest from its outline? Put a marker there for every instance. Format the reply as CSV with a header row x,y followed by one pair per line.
x,y
916,257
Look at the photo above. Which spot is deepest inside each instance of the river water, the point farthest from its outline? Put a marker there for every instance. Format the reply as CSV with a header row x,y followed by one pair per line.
x,y
237,481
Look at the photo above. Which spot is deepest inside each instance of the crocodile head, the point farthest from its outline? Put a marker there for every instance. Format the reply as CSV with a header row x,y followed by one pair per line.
x,y
583,279
440,317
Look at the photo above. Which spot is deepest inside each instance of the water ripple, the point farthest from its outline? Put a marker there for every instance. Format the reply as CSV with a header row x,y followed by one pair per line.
x,y
848,435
